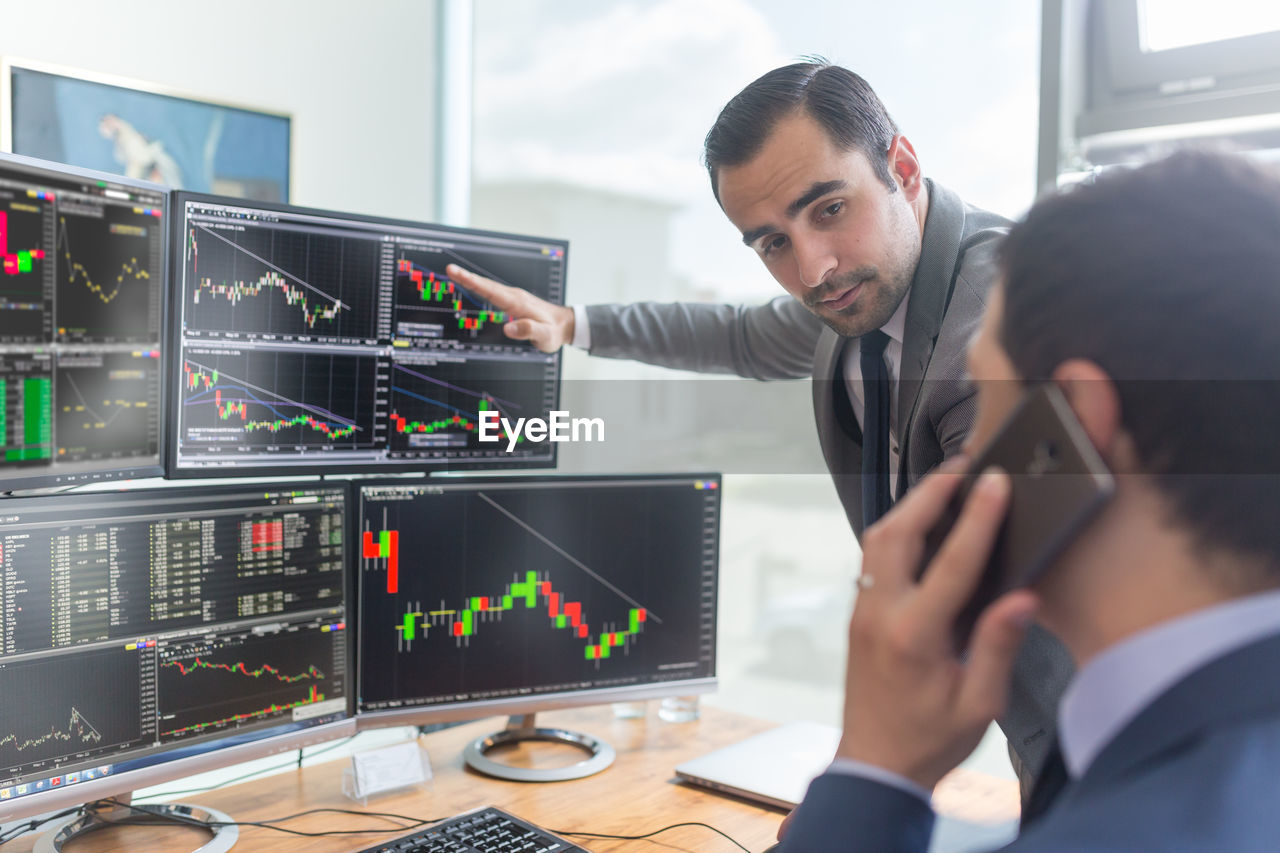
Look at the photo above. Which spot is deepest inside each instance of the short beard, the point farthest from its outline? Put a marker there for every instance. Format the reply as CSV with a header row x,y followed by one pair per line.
x,y
872,309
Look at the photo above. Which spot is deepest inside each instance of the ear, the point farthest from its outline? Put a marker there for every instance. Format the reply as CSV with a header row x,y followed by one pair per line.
x,y
1095,401
904,166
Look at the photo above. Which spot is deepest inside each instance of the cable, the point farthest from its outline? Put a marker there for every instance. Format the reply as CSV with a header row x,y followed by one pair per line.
x,y
655,832
32,825
414,823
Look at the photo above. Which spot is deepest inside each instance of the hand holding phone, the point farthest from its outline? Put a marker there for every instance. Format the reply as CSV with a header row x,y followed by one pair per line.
x,y
1059,483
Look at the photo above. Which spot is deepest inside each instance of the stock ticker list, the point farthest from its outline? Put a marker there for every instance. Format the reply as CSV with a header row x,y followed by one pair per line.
x,y
146,622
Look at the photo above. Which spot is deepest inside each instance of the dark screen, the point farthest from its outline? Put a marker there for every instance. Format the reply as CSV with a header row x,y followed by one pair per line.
x,y
505,588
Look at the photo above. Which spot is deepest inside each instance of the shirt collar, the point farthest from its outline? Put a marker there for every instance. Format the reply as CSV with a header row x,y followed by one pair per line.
x,y
1123,680
896,325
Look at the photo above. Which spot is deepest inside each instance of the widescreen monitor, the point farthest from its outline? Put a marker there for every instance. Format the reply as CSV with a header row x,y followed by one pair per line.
x,y
147,635
312,341
82,300
482,596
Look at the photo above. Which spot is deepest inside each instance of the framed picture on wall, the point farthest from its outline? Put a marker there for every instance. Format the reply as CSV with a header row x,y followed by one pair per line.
x,y
143,131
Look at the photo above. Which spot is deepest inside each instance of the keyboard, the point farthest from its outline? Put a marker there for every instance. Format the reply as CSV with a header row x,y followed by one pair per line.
x,y
486,830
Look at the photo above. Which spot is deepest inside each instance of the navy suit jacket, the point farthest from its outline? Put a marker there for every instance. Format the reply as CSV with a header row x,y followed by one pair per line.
x,y
1197,770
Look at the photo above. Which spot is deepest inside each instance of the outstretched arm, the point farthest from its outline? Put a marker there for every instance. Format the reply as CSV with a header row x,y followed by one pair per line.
x,y
775,340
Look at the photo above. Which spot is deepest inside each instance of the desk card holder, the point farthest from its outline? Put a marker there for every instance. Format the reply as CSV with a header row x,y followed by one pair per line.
x,y
388,768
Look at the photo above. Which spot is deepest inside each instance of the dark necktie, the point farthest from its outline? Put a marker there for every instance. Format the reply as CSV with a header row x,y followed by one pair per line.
x,y
1048,785
875,428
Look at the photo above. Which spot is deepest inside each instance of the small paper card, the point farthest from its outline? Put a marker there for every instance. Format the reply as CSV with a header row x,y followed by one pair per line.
x,y
389,767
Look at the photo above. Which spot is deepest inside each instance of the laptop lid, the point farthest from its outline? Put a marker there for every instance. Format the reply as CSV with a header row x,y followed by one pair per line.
x,y
774,767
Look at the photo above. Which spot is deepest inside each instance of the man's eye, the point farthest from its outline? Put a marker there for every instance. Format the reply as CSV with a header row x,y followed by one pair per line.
x,y
772,245
833,208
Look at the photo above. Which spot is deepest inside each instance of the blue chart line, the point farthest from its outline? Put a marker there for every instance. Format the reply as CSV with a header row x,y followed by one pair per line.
x,y
466,391
248,390
399,390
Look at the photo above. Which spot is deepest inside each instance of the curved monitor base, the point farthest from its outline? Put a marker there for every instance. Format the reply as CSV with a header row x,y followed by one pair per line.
x,y
522,728
93,819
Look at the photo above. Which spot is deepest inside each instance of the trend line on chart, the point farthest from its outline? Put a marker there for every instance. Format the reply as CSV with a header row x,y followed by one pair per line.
x,y
20,261
266,669
532,592
437,287
198,374
77,727
461,419
98,421
563,553
236,292
76,271
313,696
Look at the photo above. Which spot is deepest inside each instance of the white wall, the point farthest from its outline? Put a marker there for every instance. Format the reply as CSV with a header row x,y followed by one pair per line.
x,y
358,78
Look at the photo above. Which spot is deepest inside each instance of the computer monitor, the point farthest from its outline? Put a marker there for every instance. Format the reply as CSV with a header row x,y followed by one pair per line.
x,y
485,595
147,635
312,341
82,298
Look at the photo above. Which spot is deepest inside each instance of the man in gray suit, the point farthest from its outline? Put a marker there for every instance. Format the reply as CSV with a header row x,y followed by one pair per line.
x,y
1150,300
808,165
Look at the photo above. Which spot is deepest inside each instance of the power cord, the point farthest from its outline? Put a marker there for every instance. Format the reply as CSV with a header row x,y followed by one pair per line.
x,y
412,823
727,837
409,823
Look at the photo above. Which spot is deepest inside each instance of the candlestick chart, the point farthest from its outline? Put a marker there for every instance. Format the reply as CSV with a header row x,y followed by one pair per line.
x,y
256,399
25,271
213,683
430,306
437,404
258,280
482,591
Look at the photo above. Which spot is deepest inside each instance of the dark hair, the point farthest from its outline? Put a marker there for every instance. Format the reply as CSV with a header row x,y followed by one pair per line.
x,y
839,100
1168,277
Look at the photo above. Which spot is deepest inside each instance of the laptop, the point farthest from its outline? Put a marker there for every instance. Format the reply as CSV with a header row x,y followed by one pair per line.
x,y
774,767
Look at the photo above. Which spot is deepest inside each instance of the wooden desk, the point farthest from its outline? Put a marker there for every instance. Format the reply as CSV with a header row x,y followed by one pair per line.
x,y
637,794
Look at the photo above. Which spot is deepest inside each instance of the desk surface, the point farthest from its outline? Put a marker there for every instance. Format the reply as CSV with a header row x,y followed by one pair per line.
x,y
637,794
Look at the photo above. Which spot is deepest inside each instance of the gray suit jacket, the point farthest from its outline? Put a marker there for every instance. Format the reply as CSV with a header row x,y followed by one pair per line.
x,y
783,340
1195,771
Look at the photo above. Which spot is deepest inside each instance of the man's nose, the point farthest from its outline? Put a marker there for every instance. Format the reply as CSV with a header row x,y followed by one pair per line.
x,y
815,260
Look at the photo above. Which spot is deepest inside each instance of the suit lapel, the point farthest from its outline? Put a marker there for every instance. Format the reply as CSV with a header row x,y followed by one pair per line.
x,y
926,307
1235,688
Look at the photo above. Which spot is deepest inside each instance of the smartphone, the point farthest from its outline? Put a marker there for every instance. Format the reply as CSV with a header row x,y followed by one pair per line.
x,y
1059,484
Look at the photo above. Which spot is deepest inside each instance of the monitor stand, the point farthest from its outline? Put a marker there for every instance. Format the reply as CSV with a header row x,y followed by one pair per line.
x,y
522,728
117,811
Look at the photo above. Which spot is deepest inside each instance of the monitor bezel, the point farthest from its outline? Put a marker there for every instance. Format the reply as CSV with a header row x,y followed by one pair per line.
x,y
20,481
173,407
419,715
215,757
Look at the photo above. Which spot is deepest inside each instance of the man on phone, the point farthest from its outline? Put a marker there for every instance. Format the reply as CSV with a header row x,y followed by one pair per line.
x,y
887,273
1149,299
